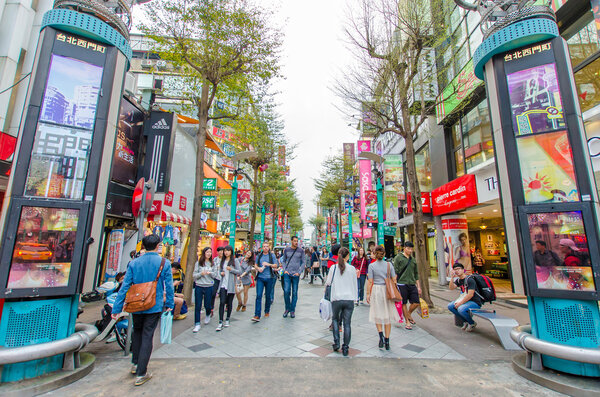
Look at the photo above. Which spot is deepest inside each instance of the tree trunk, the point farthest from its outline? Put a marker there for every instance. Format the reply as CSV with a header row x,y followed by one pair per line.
x,y
253,215
417,211
192,255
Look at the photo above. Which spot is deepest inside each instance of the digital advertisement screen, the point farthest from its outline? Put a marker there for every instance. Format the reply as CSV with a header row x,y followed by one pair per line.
x,y
560,251
44,248
131,125
546,163
60,155
535,100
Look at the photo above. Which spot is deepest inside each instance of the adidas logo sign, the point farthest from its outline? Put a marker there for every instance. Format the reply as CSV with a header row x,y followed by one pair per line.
x,y
160,125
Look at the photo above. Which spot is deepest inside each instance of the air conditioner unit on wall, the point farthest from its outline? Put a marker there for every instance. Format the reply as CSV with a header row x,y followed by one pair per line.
x,y
146,63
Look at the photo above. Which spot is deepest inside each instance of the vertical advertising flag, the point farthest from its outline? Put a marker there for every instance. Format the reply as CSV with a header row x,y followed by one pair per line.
x,y
364,146
243,205
371,205
391,206
393,174
365,183
281,156
258,223
349,154
224,205
269,225
345,227
115,249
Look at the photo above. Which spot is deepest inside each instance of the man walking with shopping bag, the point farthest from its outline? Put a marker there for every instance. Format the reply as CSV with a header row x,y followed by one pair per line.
x,y
408,282
149,272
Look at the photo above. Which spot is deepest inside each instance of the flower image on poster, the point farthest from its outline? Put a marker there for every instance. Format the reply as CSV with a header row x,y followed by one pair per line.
x,y
560,251
371,205
44,248
243,206
61,149
224,205
547,169
456,243
535,100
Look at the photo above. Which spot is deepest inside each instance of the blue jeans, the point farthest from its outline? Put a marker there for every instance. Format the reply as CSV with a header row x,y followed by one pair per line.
x,y
463,310
361,287
263,284
199,294
290,286
271,289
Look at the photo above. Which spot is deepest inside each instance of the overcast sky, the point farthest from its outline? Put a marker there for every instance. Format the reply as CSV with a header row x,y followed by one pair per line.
x,y
314,53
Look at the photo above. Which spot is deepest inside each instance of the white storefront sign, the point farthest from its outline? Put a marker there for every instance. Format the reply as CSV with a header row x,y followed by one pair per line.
x,y
487,184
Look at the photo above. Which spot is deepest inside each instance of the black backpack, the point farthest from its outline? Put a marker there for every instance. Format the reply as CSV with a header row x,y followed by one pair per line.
x,y
259,257
485,288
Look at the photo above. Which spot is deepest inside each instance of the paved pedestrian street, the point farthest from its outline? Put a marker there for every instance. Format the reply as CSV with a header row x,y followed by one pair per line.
x,y
304,336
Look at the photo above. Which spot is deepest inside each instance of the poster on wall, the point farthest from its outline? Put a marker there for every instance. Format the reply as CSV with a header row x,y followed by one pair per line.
x,y
391,206
61,149
243,206
456,243
224,205
371,205
535,99
560,251
393,174
129,131
44,248
115,251
546,163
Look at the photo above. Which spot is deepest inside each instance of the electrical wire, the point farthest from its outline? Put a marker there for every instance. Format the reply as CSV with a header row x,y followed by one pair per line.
x,y
15,84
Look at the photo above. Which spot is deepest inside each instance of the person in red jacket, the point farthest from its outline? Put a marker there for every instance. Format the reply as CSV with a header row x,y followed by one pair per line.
x,y
335,248
361,264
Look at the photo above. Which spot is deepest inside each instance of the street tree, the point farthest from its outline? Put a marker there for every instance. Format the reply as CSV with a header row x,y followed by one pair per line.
x,y
222,48
317,222
394,81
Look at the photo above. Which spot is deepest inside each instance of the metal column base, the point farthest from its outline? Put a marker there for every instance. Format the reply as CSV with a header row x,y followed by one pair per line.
x,y
49,382
571,385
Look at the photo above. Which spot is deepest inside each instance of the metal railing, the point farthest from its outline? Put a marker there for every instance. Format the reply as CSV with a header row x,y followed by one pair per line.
x,y
535,347
70,346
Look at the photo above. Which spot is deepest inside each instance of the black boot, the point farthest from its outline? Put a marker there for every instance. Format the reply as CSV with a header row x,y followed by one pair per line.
x,y
345,350
336,347
387,343
381,342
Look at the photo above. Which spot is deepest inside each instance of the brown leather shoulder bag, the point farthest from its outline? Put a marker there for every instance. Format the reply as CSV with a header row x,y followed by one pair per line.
x,y
142,296
391,289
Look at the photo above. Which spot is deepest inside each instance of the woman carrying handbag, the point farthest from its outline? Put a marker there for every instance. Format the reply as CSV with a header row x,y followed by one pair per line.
x,y
383,310
361,264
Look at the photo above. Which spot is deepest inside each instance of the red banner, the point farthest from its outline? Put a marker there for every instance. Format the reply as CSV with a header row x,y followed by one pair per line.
x,y
168,201
454,196
425,202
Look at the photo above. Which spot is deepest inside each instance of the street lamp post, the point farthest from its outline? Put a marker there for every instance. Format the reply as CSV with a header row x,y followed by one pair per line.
x,y
347,193
263,215
377,159
234,190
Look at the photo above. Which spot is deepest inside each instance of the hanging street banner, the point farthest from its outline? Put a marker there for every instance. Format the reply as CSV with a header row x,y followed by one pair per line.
x,y
243,206
363,146
371,206
115,251
345,227
349,158
365,183
224,205
393,174
258,223
391,207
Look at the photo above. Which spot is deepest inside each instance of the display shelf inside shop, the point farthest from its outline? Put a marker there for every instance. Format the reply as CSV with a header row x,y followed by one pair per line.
x,y
498,270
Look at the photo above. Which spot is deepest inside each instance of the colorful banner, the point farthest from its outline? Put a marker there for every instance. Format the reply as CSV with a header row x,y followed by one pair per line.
x,y
363,146
356,232
365,183
242,213
454,196
258,223
224,205
115,251
391,207
371,205
349,154
456,242
457,91
345,227
393,173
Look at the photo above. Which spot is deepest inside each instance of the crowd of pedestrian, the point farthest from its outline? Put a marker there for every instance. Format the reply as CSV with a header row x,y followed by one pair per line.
x,y
350,279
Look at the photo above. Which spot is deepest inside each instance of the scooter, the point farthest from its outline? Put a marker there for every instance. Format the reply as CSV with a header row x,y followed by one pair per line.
x,y
107,325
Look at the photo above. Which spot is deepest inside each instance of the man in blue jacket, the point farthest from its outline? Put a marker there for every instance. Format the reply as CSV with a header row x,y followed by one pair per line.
x,y
142,270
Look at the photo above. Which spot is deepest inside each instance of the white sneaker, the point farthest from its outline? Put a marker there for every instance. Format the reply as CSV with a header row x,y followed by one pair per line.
x,y
219,327
196,328
471,327
226,323
207,319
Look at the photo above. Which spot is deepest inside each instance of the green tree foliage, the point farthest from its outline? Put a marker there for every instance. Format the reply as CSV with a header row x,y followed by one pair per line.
x,y
222,49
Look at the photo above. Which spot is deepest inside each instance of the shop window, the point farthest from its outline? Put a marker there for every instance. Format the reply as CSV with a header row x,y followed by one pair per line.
x,y
587,81
423,166
560,251
584,43
477,136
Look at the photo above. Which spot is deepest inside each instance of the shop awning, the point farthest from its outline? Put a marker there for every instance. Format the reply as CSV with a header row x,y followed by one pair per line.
x,y
210,142
209,172
167,216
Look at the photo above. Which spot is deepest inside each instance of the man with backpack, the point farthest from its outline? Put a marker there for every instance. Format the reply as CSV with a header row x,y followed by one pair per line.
x,y
265,266
470,298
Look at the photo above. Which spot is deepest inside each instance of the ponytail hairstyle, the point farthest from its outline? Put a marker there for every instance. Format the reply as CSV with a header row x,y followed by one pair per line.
x,y
342,254
231,257
202,258
379,252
